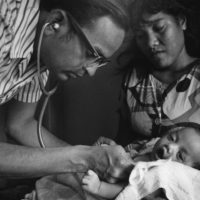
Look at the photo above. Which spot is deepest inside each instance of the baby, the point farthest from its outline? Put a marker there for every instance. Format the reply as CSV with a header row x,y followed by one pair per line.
x,y
180,144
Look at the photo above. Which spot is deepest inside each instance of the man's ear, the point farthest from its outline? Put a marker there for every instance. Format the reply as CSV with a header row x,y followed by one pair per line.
x,y
57,21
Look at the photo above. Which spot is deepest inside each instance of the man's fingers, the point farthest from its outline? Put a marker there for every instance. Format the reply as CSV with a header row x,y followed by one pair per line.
x,y
85,180
30,196
85,187
120,164
91,172
114,164
104,140
111,142
123,171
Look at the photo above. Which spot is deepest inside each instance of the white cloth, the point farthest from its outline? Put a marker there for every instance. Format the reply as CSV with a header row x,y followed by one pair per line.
x,y
179,181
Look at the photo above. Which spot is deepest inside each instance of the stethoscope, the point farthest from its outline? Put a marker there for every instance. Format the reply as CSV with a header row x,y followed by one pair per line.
x,y
47,94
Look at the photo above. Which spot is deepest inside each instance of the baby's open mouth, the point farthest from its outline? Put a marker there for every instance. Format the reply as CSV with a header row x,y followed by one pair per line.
x,y
159,153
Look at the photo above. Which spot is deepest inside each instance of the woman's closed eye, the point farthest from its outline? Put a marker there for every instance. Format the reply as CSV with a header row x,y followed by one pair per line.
x,y
159,28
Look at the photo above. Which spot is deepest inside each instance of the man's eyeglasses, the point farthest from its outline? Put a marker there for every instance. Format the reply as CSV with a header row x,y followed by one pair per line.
x,y
99,60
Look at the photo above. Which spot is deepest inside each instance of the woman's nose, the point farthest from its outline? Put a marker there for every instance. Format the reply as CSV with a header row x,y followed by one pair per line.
x,y
152,41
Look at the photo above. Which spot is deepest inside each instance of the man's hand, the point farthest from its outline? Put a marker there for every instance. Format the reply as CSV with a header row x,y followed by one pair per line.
x,y
112,163
91,182
104,141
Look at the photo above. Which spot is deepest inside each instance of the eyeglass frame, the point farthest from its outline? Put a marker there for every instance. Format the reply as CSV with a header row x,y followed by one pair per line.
x,y
99,59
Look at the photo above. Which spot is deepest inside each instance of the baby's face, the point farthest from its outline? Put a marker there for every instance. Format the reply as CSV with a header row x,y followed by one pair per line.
x,y
181,145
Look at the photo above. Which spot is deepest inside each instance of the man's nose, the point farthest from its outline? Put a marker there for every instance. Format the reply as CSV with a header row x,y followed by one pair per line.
x,y
91,70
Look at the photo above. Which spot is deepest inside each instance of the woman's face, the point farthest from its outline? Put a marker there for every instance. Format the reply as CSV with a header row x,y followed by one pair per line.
x,y
67,55
160,38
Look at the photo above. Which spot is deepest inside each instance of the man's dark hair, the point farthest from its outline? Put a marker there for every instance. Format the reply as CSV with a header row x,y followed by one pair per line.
x,y
84,11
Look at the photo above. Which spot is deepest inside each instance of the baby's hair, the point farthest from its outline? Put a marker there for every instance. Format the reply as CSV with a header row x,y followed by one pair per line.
x,y
182,125
196,165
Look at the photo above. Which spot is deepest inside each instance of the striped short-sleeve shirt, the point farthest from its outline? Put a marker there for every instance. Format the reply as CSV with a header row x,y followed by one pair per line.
x,y
18,77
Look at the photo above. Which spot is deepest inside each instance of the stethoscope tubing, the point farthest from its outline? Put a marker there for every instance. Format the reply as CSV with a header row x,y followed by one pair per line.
x,y
47,94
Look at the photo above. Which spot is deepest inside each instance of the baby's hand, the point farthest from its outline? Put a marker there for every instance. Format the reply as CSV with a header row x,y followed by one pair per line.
x,y
91,182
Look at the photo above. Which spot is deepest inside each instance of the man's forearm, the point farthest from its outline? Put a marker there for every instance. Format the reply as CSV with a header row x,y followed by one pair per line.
x,y
19,161
27,135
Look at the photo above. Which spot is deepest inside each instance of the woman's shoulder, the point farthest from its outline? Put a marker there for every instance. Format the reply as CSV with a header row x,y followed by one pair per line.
x,y
197,62
194,66
135,74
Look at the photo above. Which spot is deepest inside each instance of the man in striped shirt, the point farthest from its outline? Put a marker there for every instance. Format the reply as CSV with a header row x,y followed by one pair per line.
x,y
74,38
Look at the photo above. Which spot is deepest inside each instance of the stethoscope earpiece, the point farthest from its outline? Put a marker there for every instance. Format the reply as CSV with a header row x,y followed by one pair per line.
x,y
55,26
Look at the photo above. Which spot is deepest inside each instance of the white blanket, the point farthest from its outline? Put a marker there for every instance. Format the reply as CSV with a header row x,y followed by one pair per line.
x,y
179,181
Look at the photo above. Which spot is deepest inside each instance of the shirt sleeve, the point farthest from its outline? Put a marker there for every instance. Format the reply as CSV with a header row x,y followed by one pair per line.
x,y
31,92
8,13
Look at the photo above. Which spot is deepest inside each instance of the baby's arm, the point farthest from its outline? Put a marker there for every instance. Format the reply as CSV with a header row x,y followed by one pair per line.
x,y
92,184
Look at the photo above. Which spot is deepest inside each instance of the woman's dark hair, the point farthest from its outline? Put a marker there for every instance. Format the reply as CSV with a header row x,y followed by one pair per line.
x,y
84,11
176,8
139,7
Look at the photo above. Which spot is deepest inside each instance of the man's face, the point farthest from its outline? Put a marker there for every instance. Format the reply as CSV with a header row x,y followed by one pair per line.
x,y
67,54
182,146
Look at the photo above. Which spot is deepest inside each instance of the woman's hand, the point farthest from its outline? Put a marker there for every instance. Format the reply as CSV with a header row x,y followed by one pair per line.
x,y
91,182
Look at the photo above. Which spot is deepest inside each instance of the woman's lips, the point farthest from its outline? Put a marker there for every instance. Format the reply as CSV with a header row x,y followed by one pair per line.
x,y
157,53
